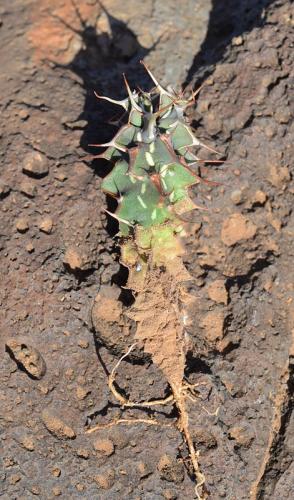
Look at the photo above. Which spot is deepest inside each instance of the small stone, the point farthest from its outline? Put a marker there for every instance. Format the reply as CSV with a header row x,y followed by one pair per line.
x,y
224,344
4,190
82,392
60,176
237,197
56,491
213,324
203,437
27,356
143,470
74,125
275,223
278,175
14,478
69,373
270,130
28,443
169,495
105,481
22,225
217,292
237,228
170,469
104,446
56,472
237,40
35,164
57,426
243,434
45,225
9,462
23,114
30,248
259,198
268,286
35,490
233,384
283,115
28,188
83,453
84,344
73,259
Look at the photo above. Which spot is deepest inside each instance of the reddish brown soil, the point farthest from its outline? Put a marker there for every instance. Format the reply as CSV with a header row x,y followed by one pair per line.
x,y
57,253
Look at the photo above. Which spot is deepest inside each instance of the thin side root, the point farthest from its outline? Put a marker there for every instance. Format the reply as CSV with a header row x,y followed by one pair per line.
x,y
189,391
183,425
126,402
126,421
177,397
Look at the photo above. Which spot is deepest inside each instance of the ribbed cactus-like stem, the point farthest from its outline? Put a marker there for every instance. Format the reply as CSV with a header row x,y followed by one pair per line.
x,y
152,173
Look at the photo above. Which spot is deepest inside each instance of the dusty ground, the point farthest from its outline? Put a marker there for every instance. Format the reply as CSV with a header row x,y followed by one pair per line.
x,y
57,251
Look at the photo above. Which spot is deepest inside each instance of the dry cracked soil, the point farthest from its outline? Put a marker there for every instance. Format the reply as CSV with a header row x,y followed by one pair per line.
x,y
58,253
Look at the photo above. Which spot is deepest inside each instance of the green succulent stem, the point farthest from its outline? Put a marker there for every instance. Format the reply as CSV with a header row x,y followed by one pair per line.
x,y
152,172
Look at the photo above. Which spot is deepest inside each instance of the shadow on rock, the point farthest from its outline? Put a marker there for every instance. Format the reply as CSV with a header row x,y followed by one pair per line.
x,y
228,20
109,50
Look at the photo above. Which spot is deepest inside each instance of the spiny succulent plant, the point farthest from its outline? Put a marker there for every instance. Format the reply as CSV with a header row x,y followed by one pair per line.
x,y
151,177
153,169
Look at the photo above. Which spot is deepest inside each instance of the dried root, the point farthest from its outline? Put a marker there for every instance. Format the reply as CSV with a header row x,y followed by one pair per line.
x,y
126,421
125,403
177,397
183,426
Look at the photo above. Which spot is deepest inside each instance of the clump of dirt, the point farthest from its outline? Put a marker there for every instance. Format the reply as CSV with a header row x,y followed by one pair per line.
x,y
239,254
27,358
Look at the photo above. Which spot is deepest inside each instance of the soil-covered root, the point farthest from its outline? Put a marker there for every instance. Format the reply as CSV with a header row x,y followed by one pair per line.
x,y
160,315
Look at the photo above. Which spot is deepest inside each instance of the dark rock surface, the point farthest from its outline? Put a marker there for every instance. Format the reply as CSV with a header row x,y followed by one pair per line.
x,y
240,252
